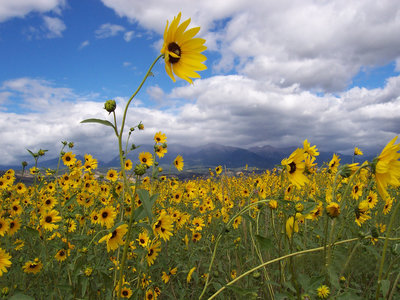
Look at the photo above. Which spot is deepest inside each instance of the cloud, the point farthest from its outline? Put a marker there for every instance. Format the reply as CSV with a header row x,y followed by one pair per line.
x,y
54,26
232,110
108,30
18,8
128,36
320,45
84,44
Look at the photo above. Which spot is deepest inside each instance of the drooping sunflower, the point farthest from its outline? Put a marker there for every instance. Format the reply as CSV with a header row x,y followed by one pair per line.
x,y
333,209
357,151
387,168
115,239
152,252
4,261
33,267
146,158
182,52
163,226
178,163
295,166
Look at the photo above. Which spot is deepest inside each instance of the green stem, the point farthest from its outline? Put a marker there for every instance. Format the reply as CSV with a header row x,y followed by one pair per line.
x,y
392,218
276,260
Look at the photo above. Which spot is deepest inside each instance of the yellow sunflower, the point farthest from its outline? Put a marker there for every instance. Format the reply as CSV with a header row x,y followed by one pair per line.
x,y
4,261
152,252
112,175
178,163
69,159
146,158
33,267
387,168
160,137
106,216
114,239
182,51
49,218
61,255
295,166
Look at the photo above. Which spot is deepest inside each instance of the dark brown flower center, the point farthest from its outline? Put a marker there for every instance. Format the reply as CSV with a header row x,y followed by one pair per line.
x,y
104,215
114,234
292,166
48,219
174,47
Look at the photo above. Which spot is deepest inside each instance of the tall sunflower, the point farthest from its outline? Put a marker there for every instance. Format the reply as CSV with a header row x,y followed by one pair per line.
x,y
182,51
295,166
178,163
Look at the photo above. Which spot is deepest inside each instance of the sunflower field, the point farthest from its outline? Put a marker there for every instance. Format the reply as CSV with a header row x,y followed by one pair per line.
x,y
299,231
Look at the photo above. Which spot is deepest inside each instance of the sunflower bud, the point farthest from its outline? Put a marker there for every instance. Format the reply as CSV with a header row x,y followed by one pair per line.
x,y
24,164
110,105
140,169
70,145
141,126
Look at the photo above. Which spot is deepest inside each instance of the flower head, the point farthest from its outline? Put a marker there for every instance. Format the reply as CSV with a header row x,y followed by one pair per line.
x,y
178,163
182,51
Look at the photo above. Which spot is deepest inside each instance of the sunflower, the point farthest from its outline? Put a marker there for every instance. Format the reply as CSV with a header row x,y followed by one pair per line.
x,y
126,292
357,191
112,175
333,209
152,252
387,168
161,151
143,239
107,216
69,159
334,163
178,163
160,138
372,199
4,226
295,166
189,276
4,261
149,295
49,218
312,151
182,51
388,205
198,223
33,267
196,236
146,158
114,239
291,225
357,151
20,187
61,255
163,226
237,222
218,170
13,226
128,164
49,202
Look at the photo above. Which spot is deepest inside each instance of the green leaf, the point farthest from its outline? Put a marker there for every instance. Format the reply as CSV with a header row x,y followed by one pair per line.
x,y
147,202
104,122
33,155
264,242
21,296
241,291
139,213
385,287
84,286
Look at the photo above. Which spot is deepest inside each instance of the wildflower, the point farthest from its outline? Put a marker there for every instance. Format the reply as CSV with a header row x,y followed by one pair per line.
x,y
88,271
160,138
182,51
387,168
163,226
357,151
114,239
126,292
61,255
233,274
218,170
388,205
33,267
112,175
3,226
237,222
196,236
160,151
69,159
49,218
149,295
372,199
107,216
146,158
143,239
323,292
291,225
128,164
178,163
189,276
152,252
357,191
14,226
273,204
295,166
4,261
333,209
334,163
312,151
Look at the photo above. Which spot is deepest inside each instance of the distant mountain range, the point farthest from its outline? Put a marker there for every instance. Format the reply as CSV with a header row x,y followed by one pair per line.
x,y
209,156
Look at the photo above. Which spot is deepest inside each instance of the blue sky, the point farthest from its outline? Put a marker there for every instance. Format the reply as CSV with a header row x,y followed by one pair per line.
x,y
278,73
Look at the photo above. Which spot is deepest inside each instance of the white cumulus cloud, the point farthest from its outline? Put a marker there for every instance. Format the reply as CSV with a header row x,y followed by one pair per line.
x,y
108,30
